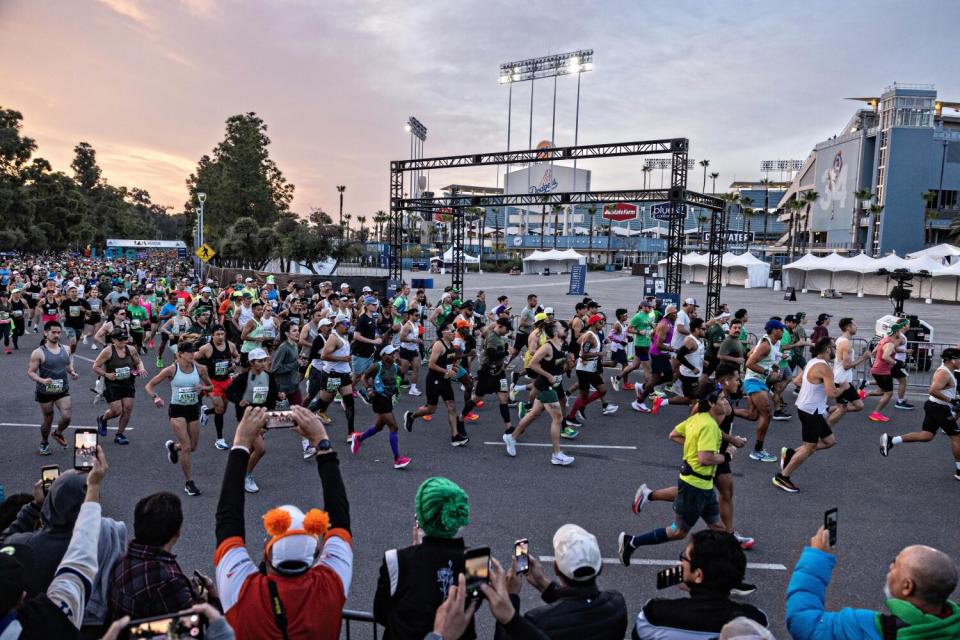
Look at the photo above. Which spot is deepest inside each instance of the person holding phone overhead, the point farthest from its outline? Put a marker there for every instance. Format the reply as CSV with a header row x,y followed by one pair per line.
x,y
51,368
187,380
118,364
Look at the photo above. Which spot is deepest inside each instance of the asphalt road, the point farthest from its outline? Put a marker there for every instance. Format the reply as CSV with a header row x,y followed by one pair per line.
x,y
884,504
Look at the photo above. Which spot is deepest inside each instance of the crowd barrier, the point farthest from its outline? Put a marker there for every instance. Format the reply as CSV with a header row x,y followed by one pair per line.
x,y
363,618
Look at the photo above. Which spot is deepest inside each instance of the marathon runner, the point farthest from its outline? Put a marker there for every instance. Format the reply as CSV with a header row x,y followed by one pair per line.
x,y
641,328
690,357
491,371
882,369
168,311
442,366
381,378
589,370
254,387
74,312
410,344
761,370
844,364
118,364
49,367
661,370
220,358
335,375
19,315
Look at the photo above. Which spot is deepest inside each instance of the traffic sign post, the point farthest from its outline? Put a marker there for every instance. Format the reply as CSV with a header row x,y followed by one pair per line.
x,y
205,252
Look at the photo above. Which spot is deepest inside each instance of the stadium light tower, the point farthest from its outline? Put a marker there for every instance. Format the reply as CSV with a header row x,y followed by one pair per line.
x,y
418,135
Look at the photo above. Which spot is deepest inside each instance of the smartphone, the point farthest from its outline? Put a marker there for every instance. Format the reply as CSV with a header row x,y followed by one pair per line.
x,y
522,558
199,584
477,570
279,419
179,626
830,524
47,475
670,577
84,449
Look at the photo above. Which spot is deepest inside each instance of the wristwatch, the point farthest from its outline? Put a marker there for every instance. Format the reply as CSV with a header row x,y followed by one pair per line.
x,y
324,445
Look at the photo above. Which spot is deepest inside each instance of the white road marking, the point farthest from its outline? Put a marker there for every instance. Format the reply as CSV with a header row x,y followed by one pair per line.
x,y
763,566
568,446
84,358
73,426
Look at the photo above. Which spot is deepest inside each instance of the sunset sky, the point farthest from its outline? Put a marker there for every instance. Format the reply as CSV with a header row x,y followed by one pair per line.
x,y
150,83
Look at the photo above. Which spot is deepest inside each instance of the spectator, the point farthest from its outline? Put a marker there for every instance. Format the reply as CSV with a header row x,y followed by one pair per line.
x,y
308,560
415,581
576,608
713,564
57,516
217,627
917,589
56,612
148,581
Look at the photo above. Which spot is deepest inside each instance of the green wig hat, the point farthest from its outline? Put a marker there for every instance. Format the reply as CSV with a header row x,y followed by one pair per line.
x,y
896,326
442,507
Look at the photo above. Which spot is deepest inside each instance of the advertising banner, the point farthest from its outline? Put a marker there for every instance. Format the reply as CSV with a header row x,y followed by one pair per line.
x,y
621,212
836,181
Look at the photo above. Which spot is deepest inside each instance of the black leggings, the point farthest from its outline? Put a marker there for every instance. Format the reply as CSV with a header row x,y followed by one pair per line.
x,y
5,332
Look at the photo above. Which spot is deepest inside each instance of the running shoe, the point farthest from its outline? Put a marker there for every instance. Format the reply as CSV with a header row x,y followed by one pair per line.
x,y
56,435
743,589
569,433
93,347
149,343
762,456
956,475
362,392
878,417
581,415
36,329
641,498
780,414
414,391
513,393
159,362
401,462
629,386
44,449
459,440
309,452
101,426
8,351
885,444
904,405
561,459
408,421
573,423
521,409
204,418
324,418
172,454
610,409
480,404
471,417
426,418
781,481
786,454
221,444
191,489
624,548
615,383
120,439
249,485
511,443
862,394
746,542
640,406
657,403
354,443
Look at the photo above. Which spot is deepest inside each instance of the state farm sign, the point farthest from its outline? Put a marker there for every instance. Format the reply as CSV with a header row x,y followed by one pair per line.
x,y
621,212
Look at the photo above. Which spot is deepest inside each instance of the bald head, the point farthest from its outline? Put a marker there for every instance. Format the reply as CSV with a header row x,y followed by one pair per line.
x,y
932,572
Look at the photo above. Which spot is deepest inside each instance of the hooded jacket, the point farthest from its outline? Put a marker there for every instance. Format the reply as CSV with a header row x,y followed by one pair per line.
x,y
574,612
807,620
702,615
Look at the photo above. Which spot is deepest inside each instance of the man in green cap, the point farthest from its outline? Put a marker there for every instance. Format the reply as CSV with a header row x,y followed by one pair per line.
x,y
414,581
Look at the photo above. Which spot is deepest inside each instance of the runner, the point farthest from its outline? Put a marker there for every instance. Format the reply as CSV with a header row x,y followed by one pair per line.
x,y
761,370
167,311
939,411
94,315
548,365
410,342
524,326
220,358
696,499
844,364
661,370
335,376
187,380
118,365
74,312
251,331
365,342
589,369
315,373
816,385
730,354
50,367
882,368
139,321
491,371
6,321
899,370
641,328
254,387
690,357
19,314
381,378
441,368
618,345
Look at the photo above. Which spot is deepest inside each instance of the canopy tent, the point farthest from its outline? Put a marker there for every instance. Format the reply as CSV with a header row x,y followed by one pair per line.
x,y
694,266
556,260
945,254
448,258
745,270
853,275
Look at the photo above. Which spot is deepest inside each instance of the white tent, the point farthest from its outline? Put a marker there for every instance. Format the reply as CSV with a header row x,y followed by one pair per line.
x,y
554,259
448,258
943,253
694,267
945,283
809,271
745,270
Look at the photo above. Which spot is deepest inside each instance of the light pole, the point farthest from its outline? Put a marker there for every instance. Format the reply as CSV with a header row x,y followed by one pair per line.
x,y
202,197
418,135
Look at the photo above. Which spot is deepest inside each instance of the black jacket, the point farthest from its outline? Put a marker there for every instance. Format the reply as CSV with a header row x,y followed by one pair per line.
x,y
574,612
413,584
703,613
238,386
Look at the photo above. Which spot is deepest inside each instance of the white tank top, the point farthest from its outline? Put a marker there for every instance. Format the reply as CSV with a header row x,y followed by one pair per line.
x,y
618,338
950,391
342,350
409,334
812,397
244,314
588,346
695,358
840,374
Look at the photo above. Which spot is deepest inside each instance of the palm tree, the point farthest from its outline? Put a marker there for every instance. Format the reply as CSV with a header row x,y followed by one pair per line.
x,y
702,220
496,230
793,206
362,233
346,226
556,222
646,169
713,177
380,219
591,210
766,206
340,189
809,197
745,202
704,164
862,197
929,213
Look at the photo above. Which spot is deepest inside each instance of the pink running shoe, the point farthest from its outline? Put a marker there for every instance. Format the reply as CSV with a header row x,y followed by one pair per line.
x,y
480,404
471,417
657,403
354,443
878,417
401,462
426,418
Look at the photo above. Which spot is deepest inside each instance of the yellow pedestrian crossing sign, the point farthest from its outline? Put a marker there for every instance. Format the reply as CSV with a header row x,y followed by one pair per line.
x,y
206,252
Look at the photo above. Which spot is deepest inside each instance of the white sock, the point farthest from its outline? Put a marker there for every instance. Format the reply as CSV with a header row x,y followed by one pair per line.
x,y
665,402
958,466
899,440
901,398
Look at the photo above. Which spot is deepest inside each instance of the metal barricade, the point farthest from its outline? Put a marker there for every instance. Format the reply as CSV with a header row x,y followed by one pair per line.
x,y
359,618
923,358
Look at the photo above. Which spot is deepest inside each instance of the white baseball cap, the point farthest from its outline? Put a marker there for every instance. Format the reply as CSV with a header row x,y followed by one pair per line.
x,y
324,322
692,301
576,552
344,285
367,290
387,350
548,310
258,354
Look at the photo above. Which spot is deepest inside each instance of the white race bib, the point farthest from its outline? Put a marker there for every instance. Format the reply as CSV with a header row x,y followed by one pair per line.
x,y
221,367
259,395
55,386
134,323
504,385
187,395
122,373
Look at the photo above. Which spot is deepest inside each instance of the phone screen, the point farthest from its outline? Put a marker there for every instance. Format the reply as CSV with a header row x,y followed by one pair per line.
x,y
175,626
279,419
476,569
830,524
84,449
670,577
520,553
48,475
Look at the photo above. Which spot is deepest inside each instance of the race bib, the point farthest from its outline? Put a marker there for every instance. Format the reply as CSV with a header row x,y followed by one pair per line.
x,y
18,314
221,367
260,395
4,316
333,384
35,296
122,373
134,324
187,395
55,386
74,311
504,385
557,381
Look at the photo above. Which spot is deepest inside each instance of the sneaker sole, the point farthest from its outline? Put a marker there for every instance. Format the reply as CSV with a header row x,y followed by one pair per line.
x,y
565,463
459,443
902,408
784,488
620,542
401,466
639,501
782,418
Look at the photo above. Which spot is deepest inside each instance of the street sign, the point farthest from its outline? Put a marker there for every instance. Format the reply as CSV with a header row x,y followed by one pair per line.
x,y
733,236
205,252
578,279
668,212
621,212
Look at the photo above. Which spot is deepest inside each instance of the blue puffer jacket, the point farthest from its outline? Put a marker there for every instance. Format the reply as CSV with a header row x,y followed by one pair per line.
x,y
806,593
